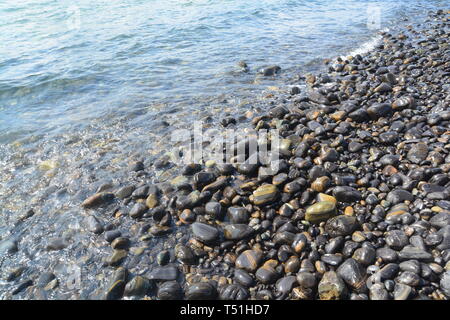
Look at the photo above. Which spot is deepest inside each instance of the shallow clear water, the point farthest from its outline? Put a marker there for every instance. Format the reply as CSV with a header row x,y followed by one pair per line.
x,y
62,65
86,88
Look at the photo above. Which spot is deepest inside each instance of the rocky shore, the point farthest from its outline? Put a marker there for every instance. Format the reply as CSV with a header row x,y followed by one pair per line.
x,y
359,207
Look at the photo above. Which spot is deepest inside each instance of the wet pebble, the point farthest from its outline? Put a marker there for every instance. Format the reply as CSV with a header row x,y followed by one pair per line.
x,y
169,290
233,292
340,226
201,291
332,287
204,232
249,260
320,211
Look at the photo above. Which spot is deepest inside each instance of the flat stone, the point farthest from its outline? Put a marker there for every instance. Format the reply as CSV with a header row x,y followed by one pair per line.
x,y
399,195
409,278
125,192
411,265
265,194
306,279
201,291
179,181
444,232
204,232
136,166
120,243
413,253
320,211
249,260
111,235
22,286
141,192
214,209
346,194
388,272
97,200
317,97
237,232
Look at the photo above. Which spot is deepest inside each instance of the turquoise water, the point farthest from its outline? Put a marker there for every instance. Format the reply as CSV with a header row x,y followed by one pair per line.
x,y
65,64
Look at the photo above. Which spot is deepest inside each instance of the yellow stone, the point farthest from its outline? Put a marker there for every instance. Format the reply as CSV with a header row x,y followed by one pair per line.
x,y
152,201
325,197
48,165
348,211
320,211
310,78
210,163
137,250
338,115
272,263
178,180
395,213
320,184
251,185
265,194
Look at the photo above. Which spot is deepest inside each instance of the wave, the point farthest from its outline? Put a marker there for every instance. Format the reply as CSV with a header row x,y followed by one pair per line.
x,y
368,45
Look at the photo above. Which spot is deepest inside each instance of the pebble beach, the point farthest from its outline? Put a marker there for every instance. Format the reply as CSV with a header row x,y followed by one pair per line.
x,y
358,207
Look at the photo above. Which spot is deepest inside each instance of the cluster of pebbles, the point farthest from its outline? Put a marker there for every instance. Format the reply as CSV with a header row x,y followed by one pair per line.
x,y
357,207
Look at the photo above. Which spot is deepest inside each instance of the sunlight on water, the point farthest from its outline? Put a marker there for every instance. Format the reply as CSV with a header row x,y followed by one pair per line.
x,y
65,62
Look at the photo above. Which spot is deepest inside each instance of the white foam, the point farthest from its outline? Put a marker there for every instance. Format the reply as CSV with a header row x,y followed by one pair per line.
x,y
366,46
